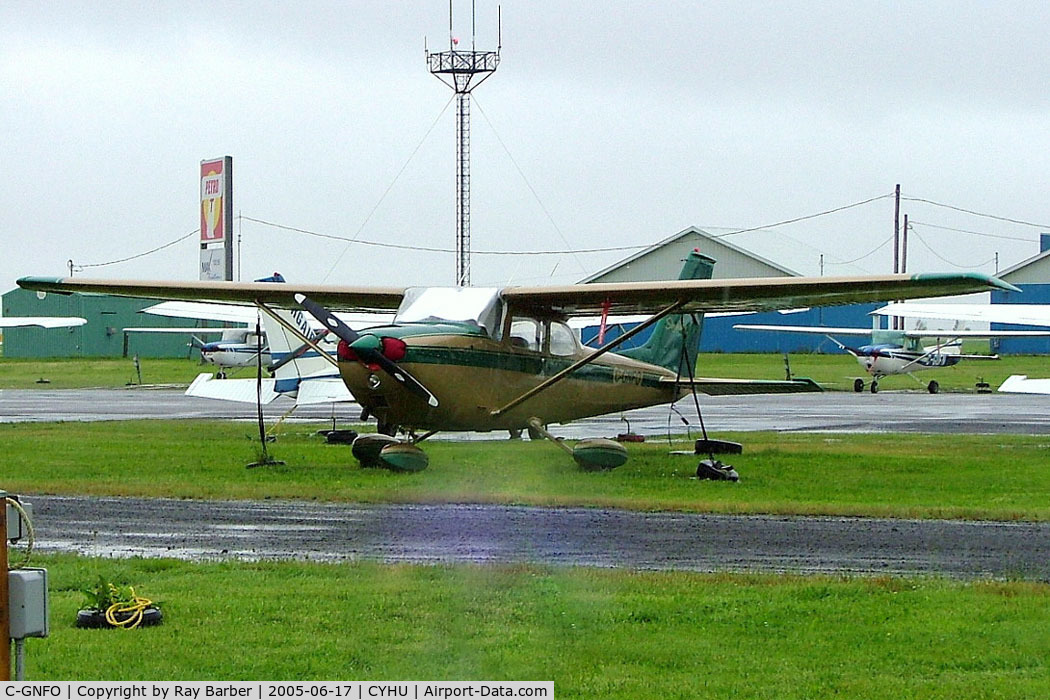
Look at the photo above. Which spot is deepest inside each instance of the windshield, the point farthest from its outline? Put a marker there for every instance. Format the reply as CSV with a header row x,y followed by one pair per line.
x,y
480,306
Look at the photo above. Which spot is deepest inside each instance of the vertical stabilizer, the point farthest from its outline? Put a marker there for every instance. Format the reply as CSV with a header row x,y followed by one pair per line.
x,y
673,333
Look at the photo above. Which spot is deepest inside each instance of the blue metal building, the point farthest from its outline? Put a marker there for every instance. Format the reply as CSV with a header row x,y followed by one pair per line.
x,y
1033,277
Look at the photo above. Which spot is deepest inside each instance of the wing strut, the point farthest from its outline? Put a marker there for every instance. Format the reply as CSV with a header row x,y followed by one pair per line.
x,y
589,358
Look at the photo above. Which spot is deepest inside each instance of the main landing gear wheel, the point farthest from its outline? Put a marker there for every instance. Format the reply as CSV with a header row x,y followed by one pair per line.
x,y
874,387
933,387
858,385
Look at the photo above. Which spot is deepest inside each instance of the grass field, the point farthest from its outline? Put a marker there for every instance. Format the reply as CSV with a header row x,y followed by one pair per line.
x,y
792,473
595,633
80,373
834,372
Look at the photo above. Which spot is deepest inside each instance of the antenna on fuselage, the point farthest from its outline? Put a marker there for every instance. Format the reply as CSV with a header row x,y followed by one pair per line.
x,y
463,71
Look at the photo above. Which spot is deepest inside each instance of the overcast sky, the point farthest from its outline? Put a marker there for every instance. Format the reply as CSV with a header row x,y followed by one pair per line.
x,y
608,124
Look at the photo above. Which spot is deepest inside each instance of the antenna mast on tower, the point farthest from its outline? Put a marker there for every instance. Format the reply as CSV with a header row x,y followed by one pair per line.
x,y
463,71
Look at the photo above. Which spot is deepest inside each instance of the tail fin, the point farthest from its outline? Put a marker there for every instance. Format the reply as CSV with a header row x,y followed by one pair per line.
x,y
292,361
673,333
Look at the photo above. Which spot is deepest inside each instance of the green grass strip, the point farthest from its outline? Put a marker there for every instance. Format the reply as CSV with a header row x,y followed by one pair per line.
x,y
595,633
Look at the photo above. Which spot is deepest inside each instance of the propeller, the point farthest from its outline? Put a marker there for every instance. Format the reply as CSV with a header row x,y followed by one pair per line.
x,y
368,352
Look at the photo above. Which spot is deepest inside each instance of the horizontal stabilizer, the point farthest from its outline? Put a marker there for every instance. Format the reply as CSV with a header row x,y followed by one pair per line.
x,y
330,390
713,386
205,386
1021,384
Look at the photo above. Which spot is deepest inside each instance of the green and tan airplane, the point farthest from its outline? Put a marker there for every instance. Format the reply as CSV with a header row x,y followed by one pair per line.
x,y
481,359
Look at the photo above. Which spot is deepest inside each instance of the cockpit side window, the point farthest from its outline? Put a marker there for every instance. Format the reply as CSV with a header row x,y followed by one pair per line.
x,y
526,333
562,339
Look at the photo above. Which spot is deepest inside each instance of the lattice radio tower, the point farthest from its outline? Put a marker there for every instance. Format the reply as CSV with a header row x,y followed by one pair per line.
x,y
463,71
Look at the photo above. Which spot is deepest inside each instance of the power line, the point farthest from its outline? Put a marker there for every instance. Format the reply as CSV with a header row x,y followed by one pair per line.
x,y
387,191
976,213
870,252
946,260
428,249
807,217
527,183
139,255
974,233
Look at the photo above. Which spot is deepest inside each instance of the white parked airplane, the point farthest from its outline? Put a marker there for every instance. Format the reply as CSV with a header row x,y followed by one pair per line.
x,y
900,352
1017,314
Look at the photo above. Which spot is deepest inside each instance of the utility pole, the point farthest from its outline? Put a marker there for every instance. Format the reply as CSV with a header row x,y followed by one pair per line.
x,y
904,246
896,242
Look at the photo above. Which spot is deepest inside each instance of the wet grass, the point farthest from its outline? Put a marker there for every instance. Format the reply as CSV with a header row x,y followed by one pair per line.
x,y
595,633
999,477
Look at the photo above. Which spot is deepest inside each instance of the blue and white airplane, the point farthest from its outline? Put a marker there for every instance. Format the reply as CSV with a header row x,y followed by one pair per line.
x,y
900,352
1016,314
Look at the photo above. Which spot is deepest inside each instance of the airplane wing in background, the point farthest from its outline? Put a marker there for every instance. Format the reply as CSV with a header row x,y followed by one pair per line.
x,y
233,313
818,330
42,321
1019,314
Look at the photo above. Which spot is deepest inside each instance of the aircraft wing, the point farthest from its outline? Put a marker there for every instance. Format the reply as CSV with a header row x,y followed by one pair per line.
x,y
974,334
754,294
345,298
819,330
1020,314
184,331
42,321
202,311
732,387
233,313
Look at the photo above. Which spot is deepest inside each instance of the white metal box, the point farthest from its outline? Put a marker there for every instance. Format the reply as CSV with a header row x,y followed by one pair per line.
x,y
28,599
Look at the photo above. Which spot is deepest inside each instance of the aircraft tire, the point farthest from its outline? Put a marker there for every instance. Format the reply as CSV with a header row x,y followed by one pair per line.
x,y
874,387
858,385
933,387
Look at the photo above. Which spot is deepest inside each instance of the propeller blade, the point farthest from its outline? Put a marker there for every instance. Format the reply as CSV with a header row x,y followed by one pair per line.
x,y
328,319
367,354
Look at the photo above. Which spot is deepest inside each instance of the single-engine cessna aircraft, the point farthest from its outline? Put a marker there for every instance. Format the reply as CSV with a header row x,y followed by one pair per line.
x,y
480,359
1015,314
900,352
